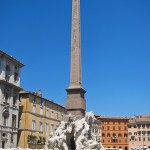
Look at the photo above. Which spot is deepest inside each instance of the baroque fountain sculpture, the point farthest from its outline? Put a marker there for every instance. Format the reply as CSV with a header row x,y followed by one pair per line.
x,y
74,134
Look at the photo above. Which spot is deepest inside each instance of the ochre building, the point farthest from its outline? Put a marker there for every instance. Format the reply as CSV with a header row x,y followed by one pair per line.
x,y
114,132
38,117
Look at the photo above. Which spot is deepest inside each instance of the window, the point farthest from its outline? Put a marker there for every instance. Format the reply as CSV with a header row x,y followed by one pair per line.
x,y
7,75
143,126
47,113
41,127
119,128
144,139
148,132
52,114
103,134
62,117
14,99
56,115
139,126
114,135
114,140
41,111
42,101
34,99
125,135
13,121
130,139
102,127
108,134
16,76
34,109
148,139
5,121
143,132
125,128
139,133
113,128
46,127
119,135
108,128
139,139
130,133
33,125
6,95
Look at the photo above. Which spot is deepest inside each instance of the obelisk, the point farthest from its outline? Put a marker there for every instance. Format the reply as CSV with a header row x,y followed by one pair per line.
x,y
75,103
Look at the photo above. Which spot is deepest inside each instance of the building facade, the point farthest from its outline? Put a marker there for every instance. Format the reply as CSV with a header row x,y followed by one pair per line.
x,y
38,117
139,132
114,131
96,129
9,99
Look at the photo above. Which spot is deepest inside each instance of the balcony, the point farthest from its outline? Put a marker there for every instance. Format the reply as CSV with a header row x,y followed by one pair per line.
x,y
114,137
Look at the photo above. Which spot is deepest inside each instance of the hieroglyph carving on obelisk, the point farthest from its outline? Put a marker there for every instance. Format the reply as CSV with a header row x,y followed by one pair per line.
x,y
75,75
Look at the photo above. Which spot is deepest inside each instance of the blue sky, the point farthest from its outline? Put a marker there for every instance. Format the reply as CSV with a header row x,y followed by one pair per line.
x,y
115,50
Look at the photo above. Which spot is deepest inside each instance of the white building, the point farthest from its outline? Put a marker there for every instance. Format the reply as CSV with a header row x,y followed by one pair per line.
x,y
9,99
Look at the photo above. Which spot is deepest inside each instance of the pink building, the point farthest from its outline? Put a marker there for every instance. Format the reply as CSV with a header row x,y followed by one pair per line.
x,y
139,132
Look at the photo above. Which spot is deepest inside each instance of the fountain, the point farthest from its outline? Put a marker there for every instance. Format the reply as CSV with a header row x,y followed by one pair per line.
x,y
74,134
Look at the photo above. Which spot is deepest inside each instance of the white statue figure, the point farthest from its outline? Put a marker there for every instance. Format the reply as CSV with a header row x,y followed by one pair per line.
x,y
74,135
58,138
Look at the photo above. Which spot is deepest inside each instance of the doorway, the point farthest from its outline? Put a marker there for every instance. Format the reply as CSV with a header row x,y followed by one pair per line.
x,y
3,144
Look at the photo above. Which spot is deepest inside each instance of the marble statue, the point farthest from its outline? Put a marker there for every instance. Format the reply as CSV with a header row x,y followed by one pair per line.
x,y
74,134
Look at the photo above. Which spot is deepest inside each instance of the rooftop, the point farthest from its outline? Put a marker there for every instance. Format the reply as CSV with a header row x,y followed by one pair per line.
x,y
140,119
111,117
37,95
2,53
